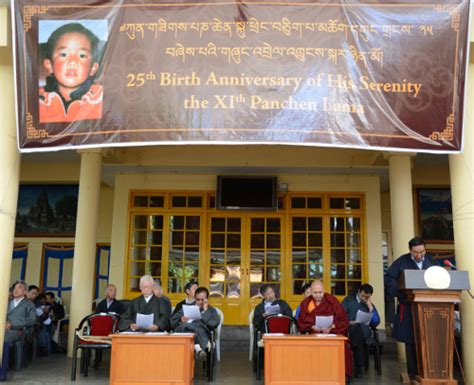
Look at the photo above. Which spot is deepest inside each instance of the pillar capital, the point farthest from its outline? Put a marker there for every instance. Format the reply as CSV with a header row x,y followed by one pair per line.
x,y
391,154
89,151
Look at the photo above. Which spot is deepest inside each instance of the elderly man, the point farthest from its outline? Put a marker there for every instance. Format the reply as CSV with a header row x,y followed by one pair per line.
x,y
110,304
269,301
359,333
146,304
202,327
158,292
190,289
20,313
323,304
416,259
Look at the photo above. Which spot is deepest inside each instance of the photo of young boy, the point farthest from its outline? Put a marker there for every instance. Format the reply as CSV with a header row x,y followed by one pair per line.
x,y
71,63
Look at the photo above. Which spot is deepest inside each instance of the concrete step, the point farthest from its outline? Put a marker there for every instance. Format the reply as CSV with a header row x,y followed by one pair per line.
x,y
235,338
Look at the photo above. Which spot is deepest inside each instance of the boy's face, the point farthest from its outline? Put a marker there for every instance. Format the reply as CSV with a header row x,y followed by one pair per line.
x,y
71,61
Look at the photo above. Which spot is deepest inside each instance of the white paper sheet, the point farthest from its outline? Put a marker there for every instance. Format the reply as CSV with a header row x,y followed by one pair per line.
x,y
192,312
325,335
273,309
363,317
324,322
144,321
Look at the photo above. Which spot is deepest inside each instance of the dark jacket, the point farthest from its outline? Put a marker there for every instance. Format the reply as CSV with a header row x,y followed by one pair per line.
x,y
179,306
115,307
403,326
259,319
139,305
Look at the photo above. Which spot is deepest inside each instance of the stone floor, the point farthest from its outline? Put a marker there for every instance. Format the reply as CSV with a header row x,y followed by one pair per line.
x,y
234,369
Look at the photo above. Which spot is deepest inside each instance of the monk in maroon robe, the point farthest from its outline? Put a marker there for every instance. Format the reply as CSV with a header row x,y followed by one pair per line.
x,y
320,303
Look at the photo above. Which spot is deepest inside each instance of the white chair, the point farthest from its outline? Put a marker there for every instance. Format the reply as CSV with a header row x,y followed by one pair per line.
x,y
218,336
251,332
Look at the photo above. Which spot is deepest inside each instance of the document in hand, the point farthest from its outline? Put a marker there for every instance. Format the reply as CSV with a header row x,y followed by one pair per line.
x,y
324,322
144,321
273,309
192,312
363,317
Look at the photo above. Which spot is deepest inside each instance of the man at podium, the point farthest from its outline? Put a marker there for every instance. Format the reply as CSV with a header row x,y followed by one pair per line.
x,y
417,258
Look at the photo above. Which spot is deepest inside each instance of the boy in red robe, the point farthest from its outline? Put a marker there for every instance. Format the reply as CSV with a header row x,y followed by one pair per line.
x,y
320,303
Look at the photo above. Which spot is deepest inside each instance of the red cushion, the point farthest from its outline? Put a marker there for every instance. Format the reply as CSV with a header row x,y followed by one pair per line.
x,y
279,325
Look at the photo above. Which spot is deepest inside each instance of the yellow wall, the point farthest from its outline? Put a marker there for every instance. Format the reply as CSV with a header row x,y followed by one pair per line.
x,y
308,182
57,172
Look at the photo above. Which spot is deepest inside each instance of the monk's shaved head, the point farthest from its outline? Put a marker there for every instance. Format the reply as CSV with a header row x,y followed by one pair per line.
x,y
317,290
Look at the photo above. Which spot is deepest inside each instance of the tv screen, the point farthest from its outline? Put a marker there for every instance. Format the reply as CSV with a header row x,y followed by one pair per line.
x,y
246,193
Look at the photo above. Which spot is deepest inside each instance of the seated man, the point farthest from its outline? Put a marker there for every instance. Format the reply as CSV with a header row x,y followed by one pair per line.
x,y
147,303
110,304
320,303
44,312
359,333
306,294
20,313
263,309
158,292
190,289
202,327
33,292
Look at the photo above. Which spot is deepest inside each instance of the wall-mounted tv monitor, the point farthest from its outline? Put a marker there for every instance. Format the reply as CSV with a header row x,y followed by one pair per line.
x,y
246,193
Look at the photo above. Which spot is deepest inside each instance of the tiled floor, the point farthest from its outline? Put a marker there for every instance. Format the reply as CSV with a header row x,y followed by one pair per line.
x,y
234,369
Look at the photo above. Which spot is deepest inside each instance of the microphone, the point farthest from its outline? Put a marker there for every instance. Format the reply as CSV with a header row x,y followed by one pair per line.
x,y
448,263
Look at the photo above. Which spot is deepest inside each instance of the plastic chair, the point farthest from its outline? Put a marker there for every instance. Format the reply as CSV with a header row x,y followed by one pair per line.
x,y
213,349
251,333
218,334
93,325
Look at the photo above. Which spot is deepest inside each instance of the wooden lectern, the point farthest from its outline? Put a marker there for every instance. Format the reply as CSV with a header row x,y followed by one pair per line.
x,y
433,322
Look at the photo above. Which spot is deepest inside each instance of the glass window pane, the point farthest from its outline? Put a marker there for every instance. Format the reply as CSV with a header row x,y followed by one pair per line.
x,y
233,241
315,255
257,258
217,257
315,271
338,271
154,269
177,222
315,203
257,225
217,241
140,201
233,257
139,238
354,272
353,286
139,253
176,254
195,201
338,256
337,240
192,238
273,241
175,285
299,224
177,238
353,240
273,274
135,284
337,224
156,222
338,288
156,237
299,271
233,225
298,203
352,203
233,290
155,253
354,256
191,270
315,240
336,203
157,201
175,269
178,201
138,268
273,258
255,290
217,274
191,254
353,224
256,274
315,224
299,239
192,223
298,286
273,225
299,255
218,224
140,221
257,241
233,273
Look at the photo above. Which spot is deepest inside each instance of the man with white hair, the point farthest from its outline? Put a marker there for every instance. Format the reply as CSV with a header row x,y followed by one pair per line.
x,y
146,304
20,313
110,304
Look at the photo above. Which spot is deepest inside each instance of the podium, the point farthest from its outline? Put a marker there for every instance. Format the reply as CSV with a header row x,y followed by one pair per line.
x,y
433,323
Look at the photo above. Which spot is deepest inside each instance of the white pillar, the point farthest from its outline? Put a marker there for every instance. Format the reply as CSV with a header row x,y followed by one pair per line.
x,y
85,241
9,169
401,210
461,169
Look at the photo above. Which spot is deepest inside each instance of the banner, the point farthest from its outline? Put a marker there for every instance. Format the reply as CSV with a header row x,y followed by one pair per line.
x,y
372,74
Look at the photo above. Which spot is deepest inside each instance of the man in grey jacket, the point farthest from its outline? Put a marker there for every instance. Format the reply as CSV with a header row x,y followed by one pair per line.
x,y
20,313
201,327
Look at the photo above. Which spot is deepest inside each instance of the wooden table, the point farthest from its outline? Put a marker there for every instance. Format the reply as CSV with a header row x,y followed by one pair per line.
x,y
152,359
304,359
